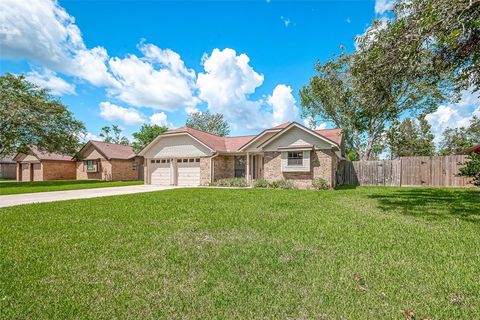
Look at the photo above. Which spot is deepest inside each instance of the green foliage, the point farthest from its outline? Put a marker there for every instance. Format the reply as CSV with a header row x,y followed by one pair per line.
x,y
29,115
212,123
472,168
230,182
113,134
448,29
279,184
320,184
455,140
361,94
260,183
410,138
146,134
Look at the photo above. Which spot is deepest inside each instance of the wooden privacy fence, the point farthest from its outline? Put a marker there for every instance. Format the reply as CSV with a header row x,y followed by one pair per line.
x,y
441,171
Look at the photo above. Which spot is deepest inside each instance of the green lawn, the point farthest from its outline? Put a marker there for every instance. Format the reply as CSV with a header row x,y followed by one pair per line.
x,y
358,253
9,187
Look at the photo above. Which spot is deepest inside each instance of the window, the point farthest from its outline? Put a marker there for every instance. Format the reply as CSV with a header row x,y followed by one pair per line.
x,y
295,158
90,164
191,160
179,160
185,160
197,160
168,160
164,161
152,161
134,165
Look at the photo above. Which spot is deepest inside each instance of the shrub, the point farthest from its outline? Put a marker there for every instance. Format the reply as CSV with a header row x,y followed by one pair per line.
x,y
472,168
230,182
282,184
320,184
261,183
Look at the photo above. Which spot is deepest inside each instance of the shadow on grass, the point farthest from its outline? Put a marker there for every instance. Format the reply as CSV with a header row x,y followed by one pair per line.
x,y
346,187
432,204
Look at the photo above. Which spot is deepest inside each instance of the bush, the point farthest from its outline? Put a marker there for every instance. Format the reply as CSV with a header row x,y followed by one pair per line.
x,y
282,184
320,184
472,168
261,183
230,182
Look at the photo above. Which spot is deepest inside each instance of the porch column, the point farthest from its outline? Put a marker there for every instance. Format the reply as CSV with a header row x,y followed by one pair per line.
x,y
19,171
248,168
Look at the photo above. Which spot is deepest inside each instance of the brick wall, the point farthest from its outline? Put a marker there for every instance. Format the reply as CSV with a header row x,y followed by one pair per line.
x,y
224,167
323,165
82,173
205,171
58,170
123,170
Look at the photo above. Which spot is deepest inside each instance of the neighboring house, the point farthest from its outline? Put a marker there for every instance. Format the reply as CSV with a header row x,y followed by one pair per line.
x,y
8,168
108,161
290,151
37,165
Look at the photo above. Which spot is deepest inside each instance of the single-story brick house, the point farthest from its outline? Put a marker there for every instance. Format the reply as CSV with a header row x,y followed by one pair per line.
x,y
38,165
108,161
8,168
290,151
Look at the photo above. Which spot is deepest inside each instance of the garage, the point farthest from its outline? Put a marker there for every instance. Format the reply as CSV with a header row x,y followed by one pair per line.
x,y
161,172
188,172
25,171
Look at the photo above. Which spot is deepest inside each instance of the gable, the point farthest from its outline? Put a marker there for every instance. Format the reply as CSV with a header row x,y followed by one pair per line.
x,y
296,136
26,157
91,153
176,146
254,146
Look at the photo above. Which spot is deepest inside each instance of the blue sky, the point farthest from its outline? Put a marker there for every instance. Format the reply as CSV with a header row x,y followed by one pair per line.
x,y
133,62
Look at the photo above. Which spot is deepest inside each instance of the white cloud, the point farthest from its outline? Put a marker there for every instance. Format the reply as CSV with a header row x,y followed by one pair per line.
x,y
49,79
286,21
454,115
312,124
160,118
226,85
44,33
112,112
382,6
283,104
158,80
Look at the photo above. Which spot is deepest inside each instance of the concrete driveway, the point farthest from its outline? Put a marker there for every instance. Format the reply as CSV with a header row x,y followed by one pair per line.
x,y
26,198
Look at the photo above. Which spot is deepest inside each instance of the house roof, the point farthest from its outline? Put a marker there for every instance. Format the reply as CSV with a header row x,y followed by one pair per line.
x,y
234,144
335,135
44,155
112,150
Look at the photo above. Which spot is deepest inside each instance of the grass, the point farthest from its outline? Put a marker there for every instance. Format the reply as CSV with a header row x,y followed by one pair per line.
x,y
355,253
8,187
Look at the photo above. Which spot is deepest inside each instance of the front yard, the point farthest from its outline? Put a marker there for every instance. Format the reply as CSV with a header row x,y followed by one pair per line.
x,y
12,187
359,253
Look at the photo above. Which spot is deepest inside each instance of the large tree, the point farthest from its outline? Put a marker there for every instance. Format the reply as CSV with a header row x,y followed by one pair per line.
x,y
359,93
146,134
212,123
410,138
448,29
455,140
113,134
29,115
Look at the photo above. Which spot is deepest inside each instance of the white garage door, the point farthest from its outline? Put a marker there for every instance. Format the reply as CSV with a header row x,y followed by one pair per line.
x,y
188,172
161,173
